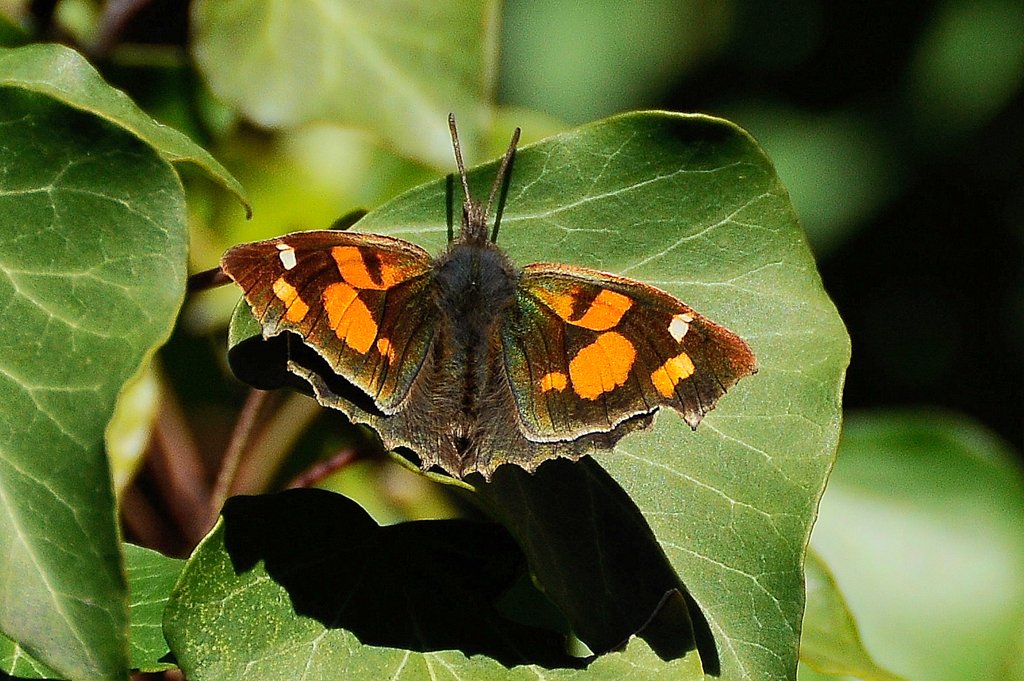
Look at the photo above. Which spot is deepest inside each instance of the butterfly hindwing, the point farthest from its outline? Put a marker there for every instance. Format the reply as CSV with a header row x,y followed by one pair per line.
x,y
586,351
351,297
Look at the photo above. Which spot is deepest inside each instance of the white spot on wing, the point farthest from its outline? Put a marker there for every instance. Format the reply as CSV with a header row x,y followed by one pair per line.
x,y
287,255
679,325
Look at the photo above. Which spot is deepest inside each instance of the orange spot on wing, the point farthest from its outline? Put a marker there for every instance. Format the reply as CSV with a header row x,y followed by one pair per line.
x,y
349,317
667,376
560,303
337,299
605,312
554,380
353,270
386,350
295,307
602,366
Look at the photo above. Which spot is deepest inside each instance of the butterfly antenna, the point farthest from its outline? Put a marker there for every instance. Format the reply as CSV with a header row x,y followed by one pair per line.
x,y
476,221
458,157
499,179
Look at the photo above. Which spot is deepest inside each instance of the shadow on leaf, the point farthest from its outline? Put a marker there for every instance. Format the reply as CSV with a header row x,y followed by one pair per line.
x,y
597,558
586,542
422,586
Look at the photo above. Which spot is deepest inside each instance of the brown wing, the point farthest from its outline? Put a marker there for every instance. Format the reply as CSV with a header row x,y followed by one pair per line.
x,y
586,350
360,300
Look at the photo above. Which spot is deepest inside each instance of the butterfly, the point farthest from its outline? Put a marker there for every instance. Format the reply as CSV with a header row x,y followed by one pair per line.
x,y
471,361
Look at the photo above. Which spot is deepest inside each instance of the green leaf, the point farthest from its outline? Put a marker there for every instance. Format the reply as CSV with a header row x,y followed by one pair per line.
x,y
92,231
11,33
837,167
366,596
395,68
923,527
425,585
63,74
689,204
14,660
584,64
830,643
966,67
151,577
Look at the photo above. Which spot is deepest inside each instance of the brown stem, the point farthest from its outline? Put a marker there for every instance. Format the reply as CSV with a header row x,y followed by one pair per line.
x,y
242,436
276,440
207,279
177,463
321,470
145,525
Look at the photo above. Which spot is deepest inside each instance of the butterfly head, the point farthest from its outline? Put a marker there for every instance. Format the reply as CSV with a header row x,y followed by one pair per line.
x,y
476,215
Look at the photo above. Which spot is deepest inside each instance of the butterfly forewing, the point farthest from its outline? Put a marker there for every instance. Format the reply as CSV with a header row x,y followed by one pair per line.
x,y
352,297
586,351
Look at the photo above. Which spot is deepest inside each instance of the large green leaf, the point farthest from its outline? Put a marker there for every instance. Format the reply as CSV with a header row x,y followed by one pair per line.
x,y
14,660
150,579
690,204
394,68
923,527
92,236
305,580
64,75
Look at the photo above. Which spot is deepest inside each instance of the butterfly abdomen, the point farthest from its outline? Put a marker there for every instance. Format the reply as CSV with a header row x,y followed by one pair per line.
x,y
474,285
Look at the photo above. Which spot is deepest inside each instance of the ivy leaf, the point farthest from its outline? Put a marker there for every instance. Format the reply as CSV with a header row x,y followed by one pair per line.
x,y
427,585
92,229
305,579
14,660
150,578
64,75
689,204
93,236
411,63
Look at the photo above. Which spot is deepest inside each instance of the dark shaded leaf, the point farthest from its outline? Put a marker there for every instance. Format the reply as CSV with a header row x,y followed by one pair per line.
x,y
425,586
596,557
